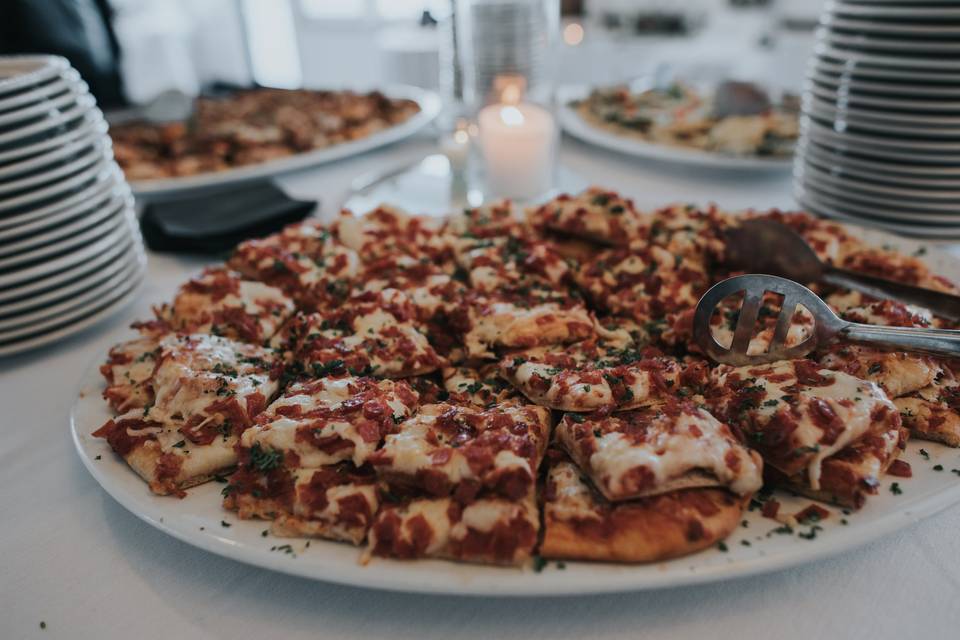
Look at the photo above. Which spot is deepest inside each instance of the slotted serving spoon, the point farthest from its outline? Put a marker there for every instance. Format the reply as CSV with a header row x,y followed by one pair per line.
x,y
827,325
768,246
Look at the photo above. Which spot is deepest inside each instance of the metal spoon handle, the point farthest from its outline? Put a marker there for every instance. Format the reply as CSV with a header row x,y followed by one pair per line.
x,y
940,342
942,304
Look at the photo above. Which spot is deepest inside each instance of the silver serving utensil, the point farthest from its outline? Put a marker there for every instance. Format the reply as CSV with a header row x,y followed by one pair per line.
x,y
768,246
827,325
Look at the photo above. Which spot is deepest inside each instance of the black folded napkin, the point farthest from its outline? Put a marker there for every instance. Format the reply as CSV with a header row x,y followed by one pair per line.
x,y
216,222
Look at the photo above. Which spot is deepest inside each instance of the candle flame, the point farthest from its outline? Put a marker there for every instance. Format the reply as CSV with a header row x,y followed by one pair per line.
x,y
511,116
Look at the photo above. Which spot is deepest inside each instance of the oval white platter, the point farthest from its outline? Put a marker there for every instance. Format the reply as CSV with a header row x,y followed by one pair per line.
x,y
199,520
576,126
428,101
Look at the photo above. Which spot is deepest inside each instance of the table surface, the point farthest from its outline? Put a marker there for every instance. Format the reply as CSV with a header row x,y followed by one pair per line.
x,y
74,559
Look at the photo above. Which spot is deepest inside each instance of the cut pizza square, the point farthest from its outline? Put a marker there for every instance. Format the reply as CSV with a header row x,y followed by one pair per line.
x,y
606,371
161,454
499,263
688,231
495,218
212,386
931,413
580,524
596,214
302,464
657,449
388,232
128,370
489,530
799,416
223,303
532,319
482,386
330,420
372,333
431,291
463,450
646,282
323,277
898,373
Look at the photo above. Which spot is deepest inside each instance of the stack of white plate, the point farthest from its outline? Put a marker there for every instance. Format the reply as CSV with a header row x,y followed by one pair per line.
x,y
70,247
880,139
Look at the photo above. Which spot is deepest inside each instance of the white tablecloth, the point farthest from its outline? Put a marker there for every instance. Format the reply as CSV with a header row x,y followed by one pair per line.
x,y
77,561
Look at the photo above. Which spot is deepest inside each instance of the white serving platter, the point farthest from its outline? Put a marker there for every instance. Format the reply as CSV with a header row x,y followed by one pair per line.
x,y
199,520
428,101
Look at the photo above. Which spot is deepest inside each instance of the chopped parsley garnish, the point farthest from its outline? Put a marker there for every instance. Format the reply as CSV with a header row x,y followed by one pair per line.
x,y
323,369
264,460
895,489
722,546
225,524
923,452
938,467
539,563
181,444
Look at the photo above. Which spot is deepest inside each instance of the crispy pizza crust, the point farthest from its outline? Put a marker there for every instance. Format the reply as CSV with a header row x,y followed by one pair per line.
x,y
579,524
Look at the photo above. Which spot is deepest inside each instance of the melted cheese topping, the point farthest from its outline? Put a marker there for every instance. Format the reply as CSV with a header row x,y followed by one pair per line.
x,y
508,325
570,497
278,431
198,370
851,400
669,447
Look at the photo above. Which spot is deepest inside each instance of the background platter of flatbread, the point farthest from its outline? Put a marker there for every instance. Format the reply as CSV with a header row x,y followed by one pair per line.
x,y
502,385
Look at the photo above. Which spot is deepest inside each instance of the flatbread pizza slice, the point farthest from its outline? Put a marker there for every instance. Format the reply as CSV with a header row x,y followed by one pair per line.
x,y
898,373
501,263
160,453
330,420
689,231
389,232
128,370
369,334
931,413
500,322
597,214
799,415
463,450
212,386
658,449
222,302
580,524
302,465
490,530
644,282
482,386
589,375
316,280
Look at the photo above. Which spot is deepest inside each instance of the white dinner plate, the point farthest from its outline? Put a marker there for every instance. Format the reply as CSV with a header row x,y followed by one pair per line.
x,y
71,288
81,125
11,224
856,143
86,157
948,108
892,217
890,28
911,120
572,123
856,118
114,236
99,170
199,520
57,103
41,92
107,307
849,83
76,143
66,232
46,282
81,301
830,209
428,101
939,147
822,48
880,186
876,10
861,67
48,127
877,171
19,73
893,44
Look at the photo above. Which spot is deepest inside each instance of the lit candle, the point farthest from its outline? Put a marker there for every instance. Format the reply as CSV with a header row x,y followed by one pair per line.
x,y
517,141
